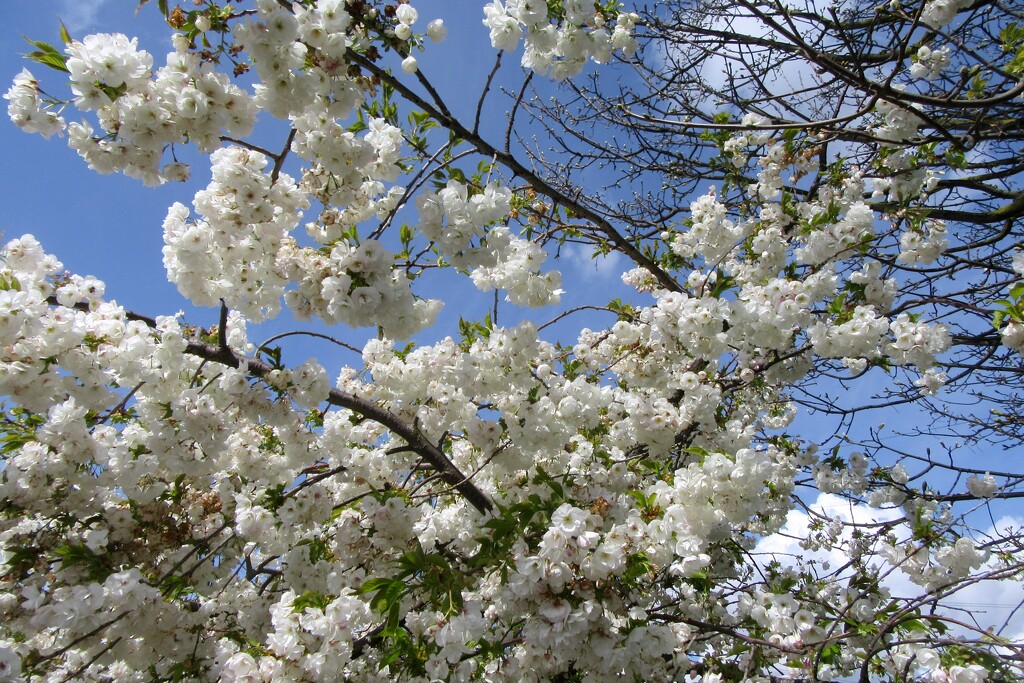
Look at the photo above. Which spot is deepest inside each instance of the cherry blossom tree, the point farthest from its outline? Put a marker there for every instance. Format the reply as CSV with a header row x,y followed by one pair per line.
x,y
840,209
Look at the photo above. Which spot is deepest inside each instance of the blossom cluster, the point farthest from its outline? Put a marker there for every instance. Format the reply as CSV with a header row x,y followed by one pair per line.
x,y
461,227
26,109
356,286
505,505
231,253
140,112
560,49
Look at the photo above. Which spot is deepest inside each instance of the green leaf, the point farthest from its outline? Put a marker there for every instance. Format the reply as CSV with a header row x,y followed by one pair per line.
x,y
637,566
112,92
830,653
64,35
309,599
697,452
9,282
913,625
394,617
47,55
273,356
837,305
1016,65
373,584
451,602
74,554
997,319
413,560
175,586
701,581
722,284
387,593
1011,35
319,550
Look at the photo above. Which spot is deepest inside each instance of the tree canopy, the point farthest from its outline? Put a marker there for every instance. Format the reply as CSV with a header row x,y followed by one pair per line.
x,y
818,210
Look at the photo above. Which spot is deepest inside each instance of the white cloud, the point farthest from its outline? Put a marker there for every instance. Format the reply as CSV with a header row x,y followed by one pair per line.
x,y
984,604
79,15
581,264
732,60
787,541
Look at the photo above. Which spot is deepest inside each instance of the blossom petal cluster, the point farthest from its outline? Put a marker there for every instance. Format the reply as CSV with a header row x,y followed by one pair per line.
x,y
510,502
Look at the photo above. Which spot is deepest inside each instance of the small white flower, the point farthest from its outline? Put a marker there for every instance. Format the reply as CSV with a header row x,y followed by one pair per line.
x,y
982,487
176,172
436,30
407,14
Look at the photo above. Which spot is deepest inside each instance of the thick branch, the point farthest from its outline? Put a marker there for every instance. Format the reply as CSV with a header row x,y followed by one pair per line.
x,y
1007,212
513,164
418,443
447,470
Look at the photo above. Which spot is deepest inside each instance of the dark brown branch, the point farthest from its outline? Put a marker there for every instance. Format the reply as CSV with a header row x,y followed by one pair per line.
x,y
486,89
418,443
509,161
